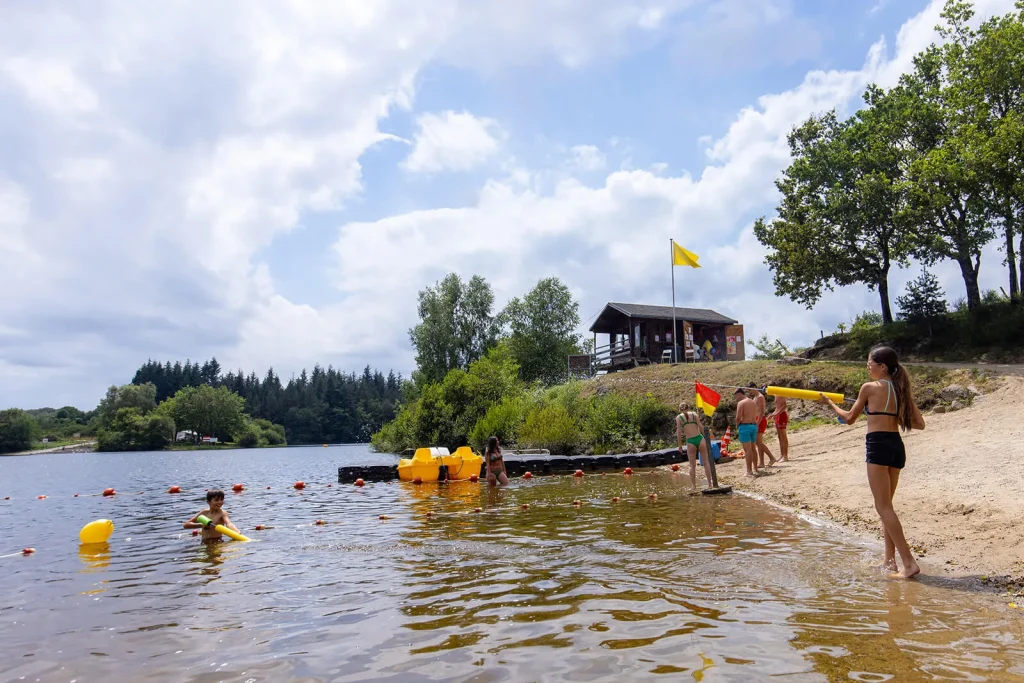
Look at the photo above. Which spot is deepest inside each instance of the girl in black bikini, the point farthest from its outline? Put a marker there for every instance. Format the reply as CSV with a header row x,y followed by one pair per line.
x,y
894,409
495,463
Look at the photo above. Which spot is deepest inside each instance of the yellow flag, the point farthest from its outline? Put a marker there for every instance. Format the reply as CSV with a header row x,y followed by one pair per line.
x,y
683,257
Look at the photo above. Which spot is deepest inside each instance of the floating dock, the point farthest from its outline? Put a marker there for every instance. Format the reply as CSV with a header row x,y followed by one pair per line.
x,y
516,465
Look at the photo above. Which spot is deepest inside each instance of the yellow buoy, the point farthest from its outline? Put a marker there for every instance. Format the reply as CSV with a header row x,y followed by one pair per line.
x,y
98,531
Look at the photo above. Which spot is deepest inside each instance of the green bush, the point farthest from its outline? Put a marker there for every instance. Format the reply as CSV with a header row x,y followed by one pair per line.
x,y
260,433
504,420
553,428
251,437
18,431
131,430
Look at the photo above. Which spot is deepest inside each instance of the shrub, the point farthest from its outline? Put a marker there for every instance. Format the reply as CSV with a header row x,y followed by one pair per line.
x,y
250,437
130,430
553,428
18,430
503,420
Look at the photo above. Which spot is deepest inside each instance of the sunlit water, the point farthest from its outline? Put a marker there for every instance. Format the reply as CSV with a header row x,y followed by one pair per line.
x,y
679,588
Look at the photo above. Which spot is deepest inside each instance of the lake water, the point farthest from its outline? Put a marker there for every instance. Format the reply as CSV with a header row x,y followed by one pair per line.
x,y
677,588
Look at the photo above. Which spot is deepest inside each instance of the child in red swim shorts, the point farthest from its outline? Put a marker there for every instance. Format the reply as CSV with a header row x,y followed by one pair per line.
x,y
781,419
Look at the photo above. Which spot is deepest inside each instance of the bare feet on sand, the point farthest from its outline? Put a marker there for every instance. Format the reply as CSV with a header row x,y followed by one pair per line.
x,y
909,571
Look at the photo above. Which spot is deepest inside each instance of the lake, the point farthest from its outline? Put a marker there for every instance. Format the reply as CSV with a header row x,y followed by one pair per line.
x,y
676,588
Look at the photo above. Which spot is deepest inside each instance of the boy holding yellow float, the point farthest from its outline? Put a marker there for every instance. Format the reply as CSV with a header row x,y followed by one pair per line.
x,y
214,516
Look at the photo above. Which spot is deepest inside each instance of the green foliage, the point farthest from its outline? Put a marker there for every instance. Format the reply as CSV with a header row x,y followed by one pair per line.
x,y
456,326
259,434
140,396
543,331
767,349
207,411
867,319
924,299
552,427
504,420
131,430
18,431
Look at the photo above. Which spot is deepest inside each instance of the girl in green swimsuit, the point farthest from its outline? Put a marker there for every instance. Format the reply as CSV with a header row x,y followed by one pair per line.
x,y
689,428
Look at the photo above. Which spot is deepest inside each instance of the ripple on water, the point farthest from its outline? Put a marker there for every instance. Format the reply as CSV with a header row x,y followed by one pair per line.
x,y
723,588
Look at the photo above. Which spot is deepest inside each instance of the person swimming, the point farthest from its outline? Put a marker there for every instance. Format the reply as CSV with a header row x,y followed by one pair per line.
x,y
885,453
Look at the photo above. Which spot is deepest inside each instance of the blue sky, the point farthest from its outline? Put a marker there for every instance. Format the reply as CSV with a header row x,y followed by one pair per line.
x,y
271,184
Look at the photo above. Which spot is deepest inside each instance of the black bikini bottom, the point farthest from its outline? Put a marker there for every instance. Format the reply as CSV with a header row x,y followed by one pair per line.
x,y
886,448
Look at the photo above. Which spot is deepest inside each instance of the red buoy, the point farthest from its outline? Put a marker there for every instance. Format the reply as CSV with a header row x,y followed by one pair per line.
x,y
653,496
268,488
526,506
7,497
259,527
474,478
174,489
675,468
360,482
628,470
429,513
478,509
195,532
41,497
578,473
237,488
28,551
330,486
109,492
527,475
384,517
417,480
577,503
300,485
320,522
75,496
615,499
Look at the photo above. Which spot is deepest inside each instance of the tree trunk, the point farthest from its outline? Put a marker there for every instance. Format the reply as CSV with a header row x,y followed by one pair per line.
x,y
883,294
1011,256
969,271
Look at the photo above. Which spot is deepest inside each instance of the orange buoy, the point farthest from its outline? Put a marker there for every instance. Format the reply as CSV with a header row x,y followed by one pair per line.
x,y
330,486
615,499
653,496
174,489
300,485
526,506
628,470
578,473
41,497
360,482
7,497
237,488
417,480
268,488
527,475
675,467
28,551
259,527
320,522
384,517
429,513
109,492
577,503
478,509
474,478
75,496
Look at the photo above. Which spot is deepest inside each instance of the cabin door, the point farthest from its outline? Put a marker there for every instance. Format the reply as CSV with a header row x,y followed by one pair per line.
x,y
734,342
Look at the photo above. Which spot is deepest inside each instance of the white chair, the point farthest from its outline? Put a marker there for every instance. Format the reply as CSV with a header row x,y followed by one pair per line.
x,y
666,356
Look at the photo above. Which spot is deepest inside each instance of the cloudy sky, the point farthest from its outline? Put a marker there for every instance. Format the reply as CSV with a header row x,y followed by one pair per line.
x,y
271,183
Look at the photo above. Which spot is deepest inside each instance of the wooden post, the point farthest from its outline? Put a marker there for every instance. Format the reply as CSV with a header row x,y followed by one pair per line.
x,y
715,489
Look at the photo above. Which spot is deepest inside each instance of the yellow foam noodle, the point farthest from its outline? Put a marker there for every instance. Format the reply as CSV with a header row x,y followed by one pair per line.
x,y
805,394
221,529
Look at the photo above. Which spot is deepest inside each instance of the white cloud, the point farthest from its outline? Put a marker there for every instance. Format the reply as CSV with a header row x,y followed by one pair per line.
x,y
587,158
452,141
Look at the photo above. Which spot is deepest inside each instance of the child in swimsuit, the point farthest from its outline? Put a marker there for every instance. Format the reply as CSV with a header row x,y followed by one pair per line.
x,y
495,463
689,428
746,429
781,419
762,427
894,409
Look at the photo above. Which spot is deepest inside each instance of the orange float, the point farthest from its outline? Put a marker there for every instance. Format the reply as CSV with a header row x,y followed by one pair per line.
x,y
628,470
259,527
384,517
417,480
237,488
109,492
525,506
478,509
578,473
41,497
577,503
300,485
320,522
360,482
174,489
527,475
615,499
28,551
75,496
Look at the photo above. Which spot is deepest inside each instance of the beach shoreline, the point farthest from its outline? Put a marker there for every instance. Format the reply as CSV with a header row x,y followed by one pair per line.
x,y
958,498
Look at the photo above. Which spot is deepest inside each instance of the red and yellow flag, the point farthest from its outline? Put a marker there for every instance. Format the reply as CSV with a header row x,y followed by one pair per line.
x,y
707,399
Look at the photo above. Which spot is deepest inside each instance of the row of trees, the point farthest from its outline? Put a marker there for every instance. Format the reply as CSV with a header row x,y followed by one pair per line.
x,y
458,325
324,406
130,419
931,169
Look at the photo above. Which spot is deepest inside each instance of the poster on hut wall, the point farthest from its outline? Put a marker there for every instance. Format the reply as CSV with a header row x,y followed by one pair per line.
x,y
730,345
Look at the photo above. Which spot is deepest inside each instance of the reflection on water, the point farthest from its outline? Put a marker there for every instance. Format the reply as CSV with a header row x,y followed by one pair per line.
x,y
677,588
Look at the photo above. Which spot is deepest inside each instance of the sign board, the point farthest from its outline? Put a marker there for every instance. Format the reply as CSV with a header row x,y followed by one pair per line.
x,y
580,366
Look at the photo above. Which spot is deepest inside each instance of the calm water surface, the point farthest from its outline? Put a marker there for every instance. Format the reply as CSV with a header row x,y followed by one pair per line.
x,y
680,588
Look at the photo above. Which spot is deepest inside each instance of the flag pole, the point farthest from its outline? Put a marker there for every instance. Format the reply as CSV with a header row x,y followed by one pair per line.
x,y
675,337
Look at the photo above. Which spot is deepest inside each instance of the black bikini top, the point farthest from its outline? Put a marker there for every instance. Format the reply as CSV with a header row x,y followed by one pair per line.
x,y
890,393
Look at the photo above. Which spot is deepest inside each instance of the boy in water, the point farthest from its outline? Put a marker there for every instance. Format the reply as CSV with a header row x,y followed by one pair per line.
x,y
217,515
762,427
746,428
781,419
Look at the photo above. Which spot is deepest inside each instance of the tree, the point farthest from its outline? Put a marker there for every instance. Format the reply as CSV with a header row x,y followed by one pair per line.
x,y
207,411
131,430
924,299
456,326
543,331
141,396
843,216
768,349
18,431
986,73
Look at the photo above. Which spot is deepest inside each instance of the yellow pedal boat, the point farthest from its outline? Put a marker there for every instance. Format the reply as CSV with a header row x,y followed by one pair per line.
x,y
425,465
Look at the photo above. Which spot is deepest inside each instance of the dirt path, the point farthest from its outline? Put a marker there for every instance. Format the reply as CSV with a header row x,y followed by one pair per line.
x,y
960,498
84,447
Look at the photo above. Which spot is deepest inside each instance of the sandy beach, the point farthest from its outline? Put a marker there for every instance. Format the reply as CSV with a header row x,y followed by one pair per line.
x,y
960,498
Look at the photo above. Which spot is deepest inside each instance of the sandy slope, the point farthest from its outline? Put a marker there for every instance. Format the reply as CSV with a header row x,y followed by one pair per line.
x,y
961,496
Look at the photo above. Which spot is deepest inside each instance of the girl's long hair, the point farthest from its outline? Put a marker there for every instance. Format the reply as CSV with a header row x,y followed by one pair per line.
x,y
884,355
492,445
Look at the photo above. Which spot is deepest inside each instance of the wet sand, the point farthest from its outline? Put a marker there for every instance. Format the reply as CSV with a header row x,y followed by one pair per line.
x,y
960,498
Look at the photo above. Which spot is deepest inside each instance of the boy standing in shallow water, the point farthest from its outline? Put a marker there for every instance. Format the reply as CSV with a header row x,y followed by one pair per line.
x,y
746,429
762,427
217,515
